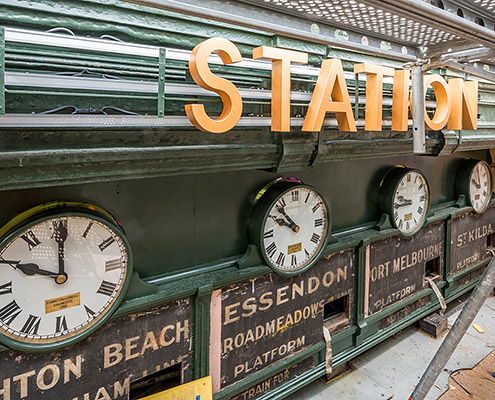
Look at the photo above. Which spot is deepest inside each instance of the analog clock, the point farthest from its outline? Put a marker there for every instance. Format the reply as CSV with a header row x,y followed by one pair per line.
x,y
61,276
474,181
405,196
290,223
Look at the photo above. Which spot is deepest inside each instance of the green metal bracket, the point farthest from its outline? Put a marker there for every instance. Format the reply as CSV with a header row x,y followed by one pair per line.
x,y
295,150
384,223
317,151
161,82
138,288
461,202
2,70
251,258
201,341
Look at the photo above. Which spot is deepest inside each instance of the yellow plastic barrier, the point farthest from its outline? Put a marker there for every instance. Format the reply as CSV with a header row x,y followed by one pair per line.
x,y
196,390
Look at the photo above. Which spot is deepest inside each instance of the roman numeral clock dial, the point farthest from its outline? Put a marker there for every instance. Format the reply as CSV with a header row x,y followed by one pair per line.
x,y
290,223
474,181
61,277
405,197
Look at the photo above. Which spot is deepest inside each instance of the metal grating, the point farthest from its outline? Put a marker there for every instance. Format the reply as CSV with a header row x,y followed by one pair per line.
x,y
488,5
357,14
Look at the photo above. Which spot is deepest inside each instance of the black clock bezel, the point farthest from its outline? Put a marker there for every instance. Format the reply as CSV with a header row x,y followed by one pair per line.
x,y
386,194
266,199
463,178
32,345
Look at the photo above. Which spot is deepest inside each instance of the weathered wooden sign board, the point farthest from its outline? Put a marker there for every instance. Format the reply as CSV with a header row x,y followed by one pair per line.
x,y
395,267
469,277
470,234
103,366
259,322
403,312
276,380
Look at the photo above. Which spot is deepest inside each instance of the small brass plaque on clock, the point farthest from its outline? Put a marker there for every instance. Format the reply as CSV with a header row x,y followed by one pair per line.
x,y
294,248
60,303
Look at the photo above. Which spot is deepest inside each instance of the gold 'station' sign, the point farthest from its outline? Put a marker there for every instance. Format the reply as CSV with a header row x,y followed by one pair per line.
x,y
456,101
60,303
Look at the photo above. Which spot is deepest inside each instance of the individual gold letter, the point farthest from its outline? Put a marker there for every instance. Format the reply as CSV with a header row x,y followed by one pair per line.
x,y
54,377
23,383
443,101
230,311
121,389
464,111
112,355
374,93
232,102
69,367
330,84
5,392
163,336
129,346
400,103
281,60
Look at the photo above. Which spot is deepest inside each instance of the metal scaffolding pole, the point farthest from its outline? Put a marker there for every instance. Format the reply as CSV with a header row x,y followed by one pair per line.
x,y
418,110
456,333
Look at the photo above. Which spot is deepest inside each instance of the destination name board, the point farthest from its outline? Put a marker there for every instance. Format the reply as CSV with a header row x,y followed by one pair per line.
x,y
395,267
470,235
261,321
403,312
456,101
276,380
103,366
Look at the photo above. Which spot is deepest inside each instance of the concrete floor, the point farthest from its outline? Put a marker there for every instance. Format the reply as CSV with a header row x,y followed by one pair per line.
x,y
392,369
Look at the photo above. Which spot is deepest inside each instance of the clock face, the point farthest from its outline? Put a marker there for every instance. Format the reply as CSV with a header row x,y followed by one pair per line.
x,y
410,202
480,187
295,229
59,277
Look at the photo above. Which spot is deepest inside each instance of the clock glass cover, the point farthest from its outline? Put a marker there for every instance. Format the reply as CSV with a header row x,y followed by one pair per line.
x,y
480,186
294,226
409,202
59,277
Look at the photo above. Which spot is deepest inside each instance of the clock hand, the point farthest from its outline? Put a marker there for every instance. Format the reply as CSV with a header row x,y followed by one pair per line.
x,y
60,236
34,269
292,225
12,263
478,186
280,221
28,269
405,203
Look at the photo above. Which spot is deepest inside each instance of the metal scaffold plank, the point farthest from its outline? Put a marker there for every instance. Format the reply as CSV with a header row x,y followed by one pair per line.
x,y
300,27
437,18
417,23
